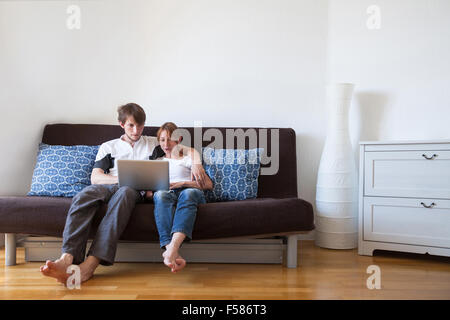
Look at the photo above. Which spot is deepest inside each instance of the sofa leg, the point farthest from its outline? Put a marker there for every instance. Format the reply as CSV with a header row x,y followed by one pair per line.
x,y
292,251
10,249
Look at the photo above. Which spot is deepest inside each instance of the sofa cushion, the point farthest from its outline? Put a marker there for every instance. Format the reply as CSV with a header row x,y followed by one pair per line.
x,y
234,173
62,171
46,216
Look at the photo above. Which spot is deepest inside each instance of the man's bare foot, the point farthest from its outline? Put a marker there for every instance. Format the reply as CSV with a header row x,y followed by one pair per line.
x,y
88,267
172,259
57,269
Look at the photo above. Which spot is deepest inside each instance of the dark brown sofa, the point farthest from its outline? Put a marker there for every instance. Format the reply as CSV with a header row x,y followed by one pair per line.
x,y
276,211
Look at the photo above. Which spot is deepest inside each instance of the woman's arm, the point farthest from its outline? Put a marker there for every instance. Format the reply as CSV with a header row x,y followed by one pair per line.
x,y
198,172
192,184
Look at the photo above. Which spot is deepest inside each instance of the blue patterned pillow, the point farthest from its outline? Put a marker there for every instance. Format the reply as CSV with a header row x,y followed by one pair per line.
x,y
234,173
62,171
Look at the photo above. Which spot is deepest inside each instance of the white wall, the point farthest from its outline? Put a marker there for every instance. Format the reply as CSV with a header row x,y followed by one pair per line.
x,y
401,71
225,62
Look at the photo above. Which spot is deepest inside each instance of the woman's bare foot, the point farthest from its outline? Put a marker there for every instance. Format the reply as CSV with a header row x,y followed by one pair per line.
x,y
58,269
180,264
172,259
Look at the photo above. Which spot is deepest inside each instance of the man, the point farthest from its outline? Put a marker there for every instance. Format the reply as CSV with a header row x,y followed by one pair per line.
x,y
104,189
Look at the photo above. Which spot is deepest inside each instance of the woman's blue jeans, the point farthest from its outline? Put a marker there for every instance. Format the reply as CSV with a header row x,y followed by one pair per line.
x,y
175,211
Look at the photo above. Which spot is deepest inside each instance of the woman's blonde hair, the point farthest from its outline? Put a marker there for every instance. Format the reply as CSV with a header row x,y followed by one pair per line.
x,y
170,127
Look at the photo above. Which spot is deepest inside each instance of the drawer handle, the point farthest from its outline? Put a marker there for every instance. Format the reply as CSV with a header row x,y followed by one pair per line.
x,y
431,158
430,206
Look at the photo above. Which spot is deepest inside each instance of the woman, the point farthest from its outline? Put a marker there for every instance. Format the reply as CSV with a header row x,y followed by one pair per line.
x,y
176,209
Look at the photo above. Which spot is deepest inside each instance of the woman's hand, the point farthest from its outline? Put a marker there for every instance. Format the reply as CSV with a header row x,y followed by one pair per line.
x,y
176,185
198,174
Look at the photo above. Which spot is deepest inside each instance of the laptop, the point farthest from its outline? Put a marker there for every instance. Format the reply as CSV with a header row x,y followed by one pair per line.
x,y
144,174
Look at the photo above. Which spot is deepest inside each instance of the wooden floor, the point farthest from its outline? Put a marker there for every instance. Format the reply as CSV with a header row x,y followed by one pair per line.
x,y
322,274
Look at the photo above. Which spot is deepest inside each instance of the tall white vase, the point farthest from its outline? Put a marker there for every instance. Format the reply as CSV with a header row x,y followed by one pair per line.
x,y
336,194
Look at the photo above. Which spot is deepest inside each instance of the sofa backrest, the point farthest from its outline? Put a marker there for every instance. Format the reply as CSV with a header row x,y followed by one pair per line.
x,y
282,184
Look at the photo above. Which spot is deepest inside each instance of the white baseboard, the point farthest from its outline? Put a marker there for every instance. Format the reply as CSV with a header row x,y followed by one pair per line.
x,y
213,251
311,235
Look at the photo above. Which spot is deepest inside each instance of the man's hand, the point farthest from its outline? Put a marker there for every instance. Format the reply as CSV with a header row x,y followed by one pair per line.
x,y
148,194
198,174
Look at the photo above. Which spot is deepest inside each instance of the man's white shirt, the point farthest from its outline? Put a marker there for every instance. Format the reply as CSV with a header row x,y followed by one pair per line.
x,y
118,149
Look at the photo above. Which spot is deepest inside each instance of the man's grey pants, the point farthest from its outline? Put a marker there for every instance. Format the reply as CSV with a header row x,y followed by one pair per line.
x,y
121,202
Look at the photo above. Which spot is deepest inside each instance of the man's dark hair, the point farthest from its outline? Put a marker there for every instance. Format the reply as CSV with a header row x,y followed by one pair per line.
x,y
131,109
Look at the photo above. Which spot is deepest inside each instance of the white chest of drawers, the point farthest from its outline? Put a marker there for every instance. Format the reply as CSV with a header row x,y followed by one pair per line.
x,y
404,197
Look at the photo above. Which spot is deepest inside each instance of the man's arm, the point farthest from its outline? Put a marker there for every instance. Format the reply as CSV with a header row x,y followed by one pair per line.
x,y
103,162
98,176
